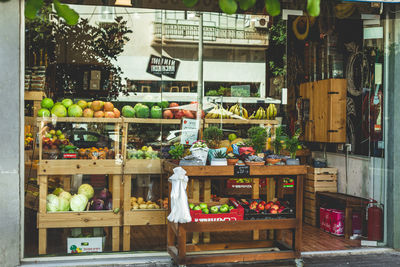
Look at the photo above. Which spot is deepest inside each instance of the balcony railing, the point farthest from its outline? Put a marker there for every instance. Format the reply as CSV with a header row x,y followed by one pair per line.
x,y
210,33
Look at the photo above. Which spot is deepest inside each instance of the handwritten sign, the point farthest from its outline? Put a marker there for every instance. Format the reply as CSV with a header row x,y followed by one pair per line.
x,y
190,130
162,66
241,171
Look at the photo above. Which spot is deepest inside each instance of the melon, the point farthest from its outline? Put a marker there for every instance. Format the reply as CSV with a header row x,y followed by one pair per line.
x,y
156,112
88,113
99,114
43,112
108,106
142,111
67,102
75,111
109,114
47,103
128,111
117,114
82,103
59,111
96,105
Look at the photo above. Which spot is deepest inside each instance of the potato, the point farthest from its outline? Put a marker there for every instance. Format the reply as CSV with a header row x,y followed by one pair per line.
x,y
140,200
149,202
134,199
157,206
151,206
135,207
143,206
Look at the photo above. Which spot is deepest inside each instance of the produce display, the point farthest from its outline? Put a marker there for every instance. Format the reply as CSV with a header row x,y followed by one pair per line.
x,y
139,203
262,114
257,209
223,210
85,199
67,108
96,153
28,141
239,112
143,153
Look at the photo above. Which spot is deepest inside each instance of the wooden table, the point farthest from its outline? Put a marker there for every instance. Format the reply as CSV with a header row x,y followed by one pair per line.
x,y
256,250
348,202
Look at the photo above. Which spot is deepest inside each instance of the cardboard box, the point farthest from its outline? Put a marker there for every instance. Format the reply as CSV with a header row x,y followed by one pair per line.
x,y
94,85
77,245
95,74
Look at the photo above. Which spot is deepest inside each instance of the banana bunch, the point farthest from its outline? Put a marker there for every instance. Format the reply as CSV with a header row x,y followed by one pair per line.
x,y
271,112
239,111
218,112
344,10
260,114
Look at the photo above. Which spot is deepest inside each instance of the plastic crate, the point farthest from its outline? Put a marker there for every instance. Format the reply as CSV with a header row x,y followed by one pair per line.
x,y
250,214
235,214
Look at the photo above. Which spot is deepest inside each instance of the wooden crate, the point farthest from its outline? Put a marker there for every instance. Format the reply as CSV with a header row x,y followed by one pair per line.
x,y
317,180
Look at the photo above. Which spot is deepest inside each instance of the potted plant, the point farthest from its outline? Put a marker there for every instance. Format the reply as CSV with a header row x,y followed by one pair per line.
x,y
277,143
213,136
199,150
231,159
258,138
292,145
219,159
176,152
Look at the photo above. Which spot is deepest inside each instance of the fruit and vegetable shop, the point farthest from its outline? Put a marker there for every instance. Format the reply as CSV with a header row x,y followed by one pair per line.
x,y
193,129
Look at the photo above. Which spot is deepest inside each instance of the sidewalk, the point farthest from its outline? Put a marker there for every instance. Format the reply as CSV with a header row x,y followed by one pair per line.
x,y
365,258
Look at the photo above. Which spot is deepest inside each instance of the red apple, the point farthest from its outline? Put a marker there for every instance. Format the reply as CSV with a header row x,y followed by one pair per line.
x,y
173,105
167,114
268,205
275,207
179,114
260,206
263,202
273,211
188,114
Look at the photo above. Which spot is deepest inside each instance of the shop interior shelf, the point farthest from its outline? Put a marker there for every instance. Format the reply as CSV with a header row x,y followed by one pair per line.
x,y
152,121
238,121
80,166
80,120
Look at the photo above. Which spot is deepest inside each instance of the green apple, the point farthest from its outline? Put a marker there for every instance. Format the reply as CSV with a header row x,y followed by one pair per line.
x,y
214,209
197,208
203,206
191,206
205,211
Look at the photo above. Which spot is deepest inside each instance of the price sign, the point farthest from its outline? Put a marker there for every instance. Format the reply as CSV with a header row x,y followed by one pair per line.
x,y
241,171
190,129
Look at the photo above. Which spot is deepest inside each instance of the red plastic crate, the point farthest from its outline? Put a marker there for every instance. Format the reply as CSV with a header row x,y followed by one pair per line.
x,y
235,214
234,184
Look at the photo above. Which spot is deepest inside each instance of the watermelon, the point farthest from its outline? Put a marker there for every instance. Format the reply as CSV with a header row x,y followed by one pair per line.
x,y
156,112
163,104
142,111
128,111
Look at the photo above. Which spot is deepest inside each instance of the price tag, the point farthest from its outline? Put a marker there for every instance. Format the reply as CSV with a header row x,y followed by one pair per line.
x,y
241,171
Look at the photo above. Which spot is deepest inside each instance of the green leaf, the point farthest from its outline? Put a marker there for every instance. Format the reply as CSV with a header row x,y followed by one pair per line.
x,y
313,7
4,0
190,3
246,4
64,11
228,6
32,7
273,7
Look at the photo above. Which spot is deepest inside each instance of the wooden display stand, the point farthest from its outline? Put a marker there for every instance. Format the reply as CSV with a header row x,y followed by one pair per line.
x,y
194,253
64,168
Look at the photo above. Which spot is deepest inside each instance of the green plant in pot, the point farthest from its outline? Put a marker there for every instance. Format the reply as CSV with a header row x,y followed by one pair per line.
x,y
176,152
292,145
213,136
279,140
258,138
219,158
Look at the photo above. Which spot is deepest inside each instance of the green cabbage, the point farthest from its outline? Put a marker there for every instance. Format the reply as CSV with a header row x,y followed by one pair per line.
x,y
58,191
78,202
87,190
63,204
52,202
65,195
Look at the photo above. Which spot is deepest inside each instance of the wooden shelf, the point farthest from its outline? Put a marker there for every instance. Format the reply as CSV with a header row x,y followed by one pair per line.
x,y
34,95
152,121
237,121
223,171
79,166
145,217
78,219
80,120
143,166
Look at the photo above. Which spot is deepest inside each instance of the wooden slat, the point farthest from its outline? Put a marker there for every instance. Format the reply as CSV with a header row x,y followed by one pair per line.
x,y
312,170
79,166
42,193
310,195
230,245
78,219
320,189
319,184
337,110
196,199
145,217
238,121
34,95
143,166
310,221
115,238
152,121
42,241
127,238
240,225
322,177
80,120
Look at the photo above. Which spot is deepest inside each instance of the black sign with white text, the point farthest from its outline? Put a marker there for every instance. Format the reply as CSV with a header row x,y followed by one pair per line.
x,y
162,66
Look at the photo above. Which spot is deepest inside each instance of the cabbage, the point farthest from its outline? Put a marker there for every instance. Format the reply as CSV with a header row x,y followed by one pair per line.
x,y
78,202
63,204
57,191
87,190
52,202
65,195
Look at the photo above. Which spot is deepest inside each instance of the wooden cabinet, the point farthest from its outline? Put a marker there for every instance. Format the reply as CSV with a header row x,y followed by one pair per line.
x,y
325,103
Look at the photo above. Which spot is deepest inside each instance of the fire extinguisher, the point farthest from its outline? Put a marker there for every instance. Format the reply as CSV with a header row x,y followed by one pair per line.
x,y
375,220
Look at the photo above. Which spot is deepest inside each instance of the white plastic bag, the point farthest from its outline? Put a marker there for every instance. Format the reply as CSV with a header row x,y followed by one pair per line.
x,y
180,212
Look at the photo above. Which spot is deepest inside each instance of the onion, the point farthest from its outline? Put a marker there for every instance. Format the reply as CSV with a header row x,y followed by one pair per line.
x,y
97,204
104,194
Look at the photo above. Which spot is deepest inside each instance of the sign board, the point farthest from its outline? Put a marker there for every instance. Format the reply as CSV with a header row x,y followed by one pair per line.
x,y
241,171
162,66
190,130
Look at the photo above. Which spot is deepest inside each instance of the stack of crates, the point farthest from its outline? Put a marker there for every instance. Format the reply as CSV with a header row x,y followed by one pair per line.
x,y
317,180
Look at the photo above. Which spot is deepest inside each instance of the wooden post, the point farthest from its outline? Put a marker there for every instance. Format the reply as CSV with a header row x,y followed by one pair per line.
x,y
126,208
181,243
116,194
207,198
255,194
42,209
299,215
196,198
270,197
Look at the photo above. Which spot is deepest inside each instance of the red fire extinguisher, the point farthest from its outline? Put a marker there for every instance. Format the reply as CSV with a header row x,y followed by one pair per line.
x,y
375,220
